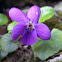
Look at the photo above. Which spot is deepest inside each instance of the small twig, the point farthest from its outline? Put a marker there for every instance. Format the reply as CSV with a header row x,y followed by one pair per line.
x,y
31,59
59,19
0,55
1,36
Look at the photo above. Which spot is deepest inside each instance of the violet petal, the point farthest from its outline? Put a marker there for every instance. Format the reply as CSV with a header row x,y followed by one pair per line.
x,y
18,30
18,15
34,13
29,37
43,31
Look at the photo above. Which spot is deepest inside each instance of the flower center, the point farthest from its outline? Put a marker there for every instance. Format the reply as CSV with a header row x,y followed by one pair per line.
x,y
30,26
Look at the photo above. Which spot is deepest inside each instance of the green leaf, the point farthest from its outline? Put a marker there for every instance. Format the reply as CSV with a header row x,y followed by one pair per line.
x,y
7,44
11,26
46,48
25,10
3,19
46,13
3,54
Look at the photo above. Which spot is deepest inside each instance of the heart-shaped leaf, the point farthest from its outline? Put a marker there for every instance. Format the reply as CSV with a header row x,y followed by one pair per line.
x,y
3,54
3,19
46,48
7,44
11,26
46,13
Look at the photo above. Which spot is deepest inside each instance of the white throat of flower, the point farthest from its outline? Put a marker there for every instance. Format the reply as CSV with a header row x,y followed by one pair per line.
x,y
30,25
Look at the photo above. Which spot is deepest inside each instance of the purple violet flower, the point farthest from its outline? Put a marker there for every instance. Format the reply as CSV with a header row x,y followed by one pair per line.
x,y
28,25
